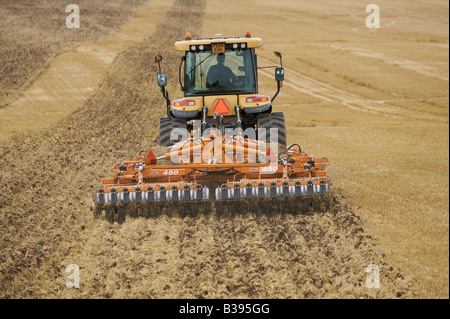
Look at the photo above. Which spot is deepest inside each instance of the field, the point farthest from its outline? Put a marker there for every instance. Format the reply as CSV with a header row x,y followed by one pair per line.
x,y
375,101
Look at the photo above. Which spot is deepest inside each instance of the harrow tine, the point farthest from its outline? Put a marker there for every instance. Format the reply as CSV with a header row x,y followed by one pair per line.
x,y
132,210
142,209
121,213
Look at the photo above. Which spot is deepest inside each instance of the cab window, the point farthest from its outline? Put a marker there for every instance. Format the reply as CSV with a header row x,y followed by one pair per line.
x,y
211,73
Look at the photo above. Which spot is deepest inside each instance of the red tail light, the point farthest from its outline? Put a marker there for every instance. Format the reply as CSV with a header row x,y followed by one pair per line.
x,y
221,107
258,98
184,102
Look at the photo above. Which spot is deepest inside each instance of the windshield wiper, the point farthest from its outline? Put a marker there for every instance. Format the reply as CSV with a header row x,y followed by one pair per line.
x,y
200,62
206,67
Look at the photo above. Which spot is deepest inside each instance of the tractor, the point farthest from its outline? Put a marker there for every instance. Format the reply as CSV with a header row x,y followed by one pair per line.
x,y
219,79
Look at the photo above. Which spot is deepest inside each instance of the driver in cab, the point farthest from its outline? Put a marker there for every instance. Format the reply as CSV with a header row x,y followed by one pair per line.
x,y
220,75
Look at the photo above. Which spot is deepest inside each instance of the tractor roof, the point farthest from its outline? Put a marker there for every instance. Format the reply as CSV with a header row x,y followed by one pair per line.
x,y
185,44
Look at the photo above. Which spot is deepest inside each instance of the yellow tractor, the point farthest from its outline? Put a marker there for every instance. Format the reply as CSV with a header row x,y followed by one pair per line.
x,y
219,79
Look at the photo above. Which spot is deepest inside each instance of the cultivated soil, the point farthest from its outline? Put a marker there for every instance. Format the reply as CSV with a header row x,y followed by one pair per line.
x,y
374,101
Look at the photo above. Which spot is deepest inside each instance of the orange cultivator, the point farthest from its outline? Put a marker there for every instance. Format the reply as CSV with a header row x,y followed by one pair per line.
x,y
221,174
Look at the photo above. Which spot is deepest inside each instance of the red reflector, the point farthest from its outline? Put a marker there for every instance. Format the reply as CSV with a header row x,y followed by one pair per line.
x,y
221,107
151,158
270,155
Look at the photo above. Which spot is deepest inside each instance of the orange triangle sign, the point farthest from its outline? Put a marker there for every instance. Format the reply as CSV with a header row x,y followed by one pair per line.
x,y
221,107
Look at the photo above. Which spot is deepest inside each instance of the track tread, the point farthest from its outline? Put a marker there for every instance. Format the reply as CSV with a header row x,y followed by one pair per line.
x,y
166,126
274,120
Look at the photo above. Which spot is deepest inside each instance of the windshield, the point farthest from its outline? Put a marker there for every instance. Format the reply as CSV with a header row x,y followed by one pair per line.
x,y
209,73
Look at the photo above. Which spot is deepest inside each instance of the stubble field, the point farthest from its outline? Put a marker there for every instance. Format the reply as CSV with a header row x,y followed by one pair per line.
x,y
374,101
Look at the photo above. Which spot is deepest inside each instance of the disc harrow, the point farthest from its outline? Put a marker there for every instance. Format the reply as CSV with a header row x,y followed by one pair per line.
x,y
228,175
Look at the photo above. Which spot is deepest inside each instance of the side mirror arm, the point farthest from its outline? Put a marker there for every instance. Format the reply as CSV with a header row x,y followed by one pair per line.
x,y
279,75
278,91
162,82
165,94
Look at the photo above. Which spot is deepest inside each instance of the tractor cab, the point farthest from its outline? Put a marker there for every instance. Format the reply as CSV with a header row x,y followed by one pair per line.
x,y
220,68
219,79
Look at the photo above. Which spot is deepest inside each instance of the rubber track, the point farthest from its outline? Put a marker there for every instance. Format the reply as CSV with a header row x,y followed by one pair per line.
x,y
274,120
165,128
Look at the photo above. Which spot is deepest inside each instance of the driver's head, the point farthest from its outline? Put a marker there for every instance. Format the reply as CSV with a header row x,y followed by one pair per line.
x,y
221,58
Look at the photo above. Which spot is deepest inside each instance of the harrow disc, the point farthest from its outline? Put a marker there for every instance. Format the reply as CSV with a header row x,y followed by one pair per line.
x,y
226,175
225,202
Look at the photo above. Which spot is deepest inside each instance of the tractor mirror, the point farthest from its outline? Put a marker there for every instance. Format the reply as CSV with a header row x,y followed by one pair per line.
x,y
162,79
279,74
